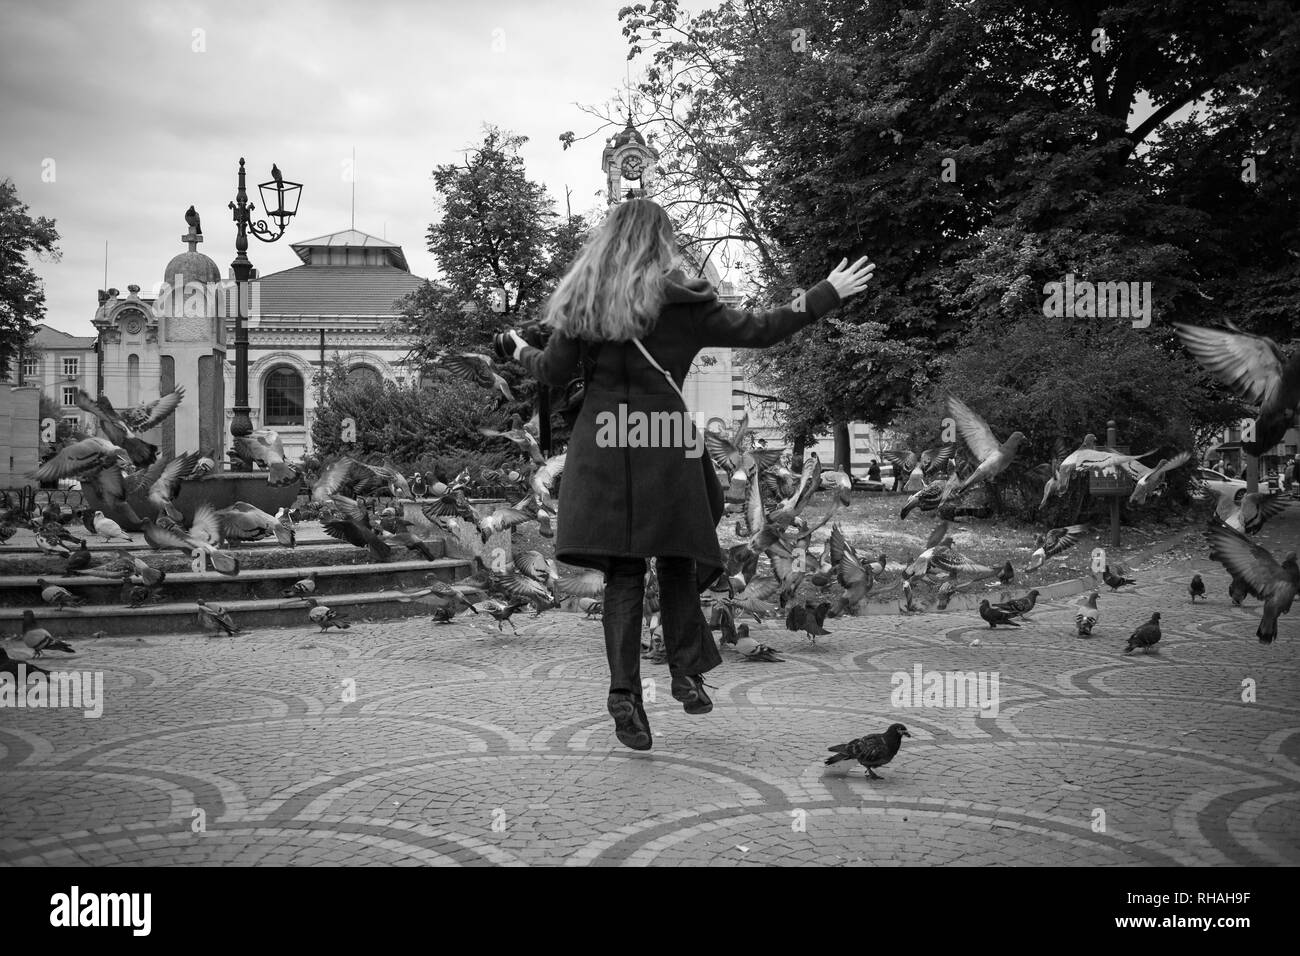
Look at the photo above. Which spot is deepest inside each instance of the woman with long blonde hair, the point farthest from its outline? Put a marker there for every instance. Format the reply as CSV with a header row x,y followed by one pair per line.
x,y
636,483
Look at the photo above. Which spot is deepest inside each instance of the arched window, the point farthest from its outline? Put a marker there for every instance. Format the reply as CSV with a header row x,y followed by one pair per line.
x,y
363,375
282,397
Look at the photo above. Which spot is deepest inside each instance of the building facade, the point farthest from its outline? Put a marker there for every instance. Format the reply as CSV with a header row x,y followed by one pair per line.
x,y
59,364
337,306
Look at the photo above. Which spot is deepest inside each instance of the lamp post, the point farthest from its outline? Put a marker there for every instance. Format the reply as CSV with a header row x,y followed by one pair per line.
x,y
280,203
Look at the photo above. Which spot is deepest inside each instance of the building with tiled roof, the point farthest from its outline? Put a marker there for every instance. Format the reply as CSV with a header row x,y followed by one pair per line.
x,y
335,305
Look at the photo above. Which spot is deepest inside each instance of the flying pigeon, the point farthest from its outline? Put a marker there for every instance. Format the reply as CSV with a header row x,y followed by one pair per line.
x,y
993,458
873,750
1255,369
264,447
245,522
476,368
127,426
1273,583
1053,543
1149,479
1145,637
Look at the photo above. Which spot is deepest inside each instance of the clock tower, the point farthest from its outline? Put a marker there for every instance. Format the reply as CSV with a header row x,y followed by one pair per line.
x,y
630,165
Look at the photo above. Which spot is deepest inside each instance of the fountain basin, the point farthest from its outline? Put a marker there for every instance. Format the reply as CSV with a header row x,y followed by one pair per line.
x,y
219,490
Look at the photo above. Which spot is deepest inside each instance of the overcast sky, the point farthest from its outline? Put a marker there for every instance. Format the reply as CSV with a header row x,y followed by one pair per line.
x,y
139,125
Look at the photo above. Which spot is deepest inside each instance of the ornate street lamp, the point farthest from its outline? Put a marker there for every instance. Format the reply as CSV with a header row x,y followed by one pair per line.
x,y
280,203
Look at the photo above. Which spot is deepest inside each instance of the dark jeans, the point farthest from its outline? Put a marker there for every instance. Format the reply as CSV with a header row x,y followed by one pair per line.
x,y
687,638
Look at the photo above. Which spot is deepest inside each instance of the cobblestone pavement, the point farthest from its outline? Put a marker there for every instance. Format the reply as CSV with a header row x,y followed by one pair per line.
x,y
465,746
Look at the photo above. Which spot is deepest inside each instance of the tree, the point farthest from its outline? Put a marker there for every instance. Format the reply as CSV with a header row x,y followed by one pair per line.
x,y
980,150
501,248
402,425
22,299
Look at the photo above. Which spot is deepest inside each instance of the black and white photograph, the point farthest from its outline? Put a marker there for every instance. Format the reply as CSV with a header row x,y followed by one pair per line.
x,y
727,433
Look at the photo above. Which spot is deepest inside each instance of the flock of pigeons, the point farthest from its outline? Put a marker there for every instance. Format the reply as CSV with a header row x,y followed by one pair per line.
x,y
773,533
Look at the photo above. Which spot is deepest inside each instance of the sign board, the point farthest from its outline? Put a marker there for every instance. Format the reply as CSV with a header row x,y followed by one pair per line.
x,y
1102,486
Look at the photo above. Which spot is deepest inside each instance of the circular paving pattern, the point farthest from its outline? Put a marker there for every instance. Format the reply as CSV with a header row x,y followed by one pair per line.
x,y
404,743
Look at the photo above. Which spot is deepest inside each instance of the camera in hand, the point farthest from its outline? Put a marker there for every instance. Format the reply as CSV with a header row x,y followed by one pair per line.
x,y
534,333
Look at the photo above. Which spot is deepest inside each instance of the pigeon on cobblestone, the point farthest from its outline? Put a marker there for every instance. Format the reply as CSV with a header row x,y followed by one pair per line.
x,y
501,611
755,651
873,750
1114,581
57,596
216,616
1086,619
1238,589
39,639
326,617
995,616
1197,588
1145,637
801,617
10,666
1019,607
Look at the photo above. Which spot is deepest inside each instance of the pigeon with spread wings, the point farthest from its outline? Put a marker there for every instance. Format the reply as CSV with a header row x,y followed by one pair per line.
x,y
1255,369
126,427
264,447
993,457
476,368
1275,583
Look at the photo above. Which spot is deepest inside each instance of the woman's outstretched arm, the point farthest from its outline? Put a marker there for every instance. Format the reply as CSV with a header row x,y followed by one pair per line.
x,y
734,327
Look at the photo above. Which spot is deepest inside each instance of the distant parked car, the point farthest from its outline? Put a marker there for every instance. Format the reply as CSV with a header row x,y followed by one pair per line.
x,y
1219,484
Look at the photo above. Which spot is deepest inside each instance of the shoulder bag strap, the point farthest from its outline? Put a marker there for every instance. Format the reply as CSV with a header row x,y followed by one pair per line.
x,y
666,374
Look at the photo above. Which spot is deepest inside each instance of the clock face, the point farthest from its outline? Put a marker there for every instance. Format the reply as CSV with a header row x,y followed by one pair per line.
x,y
632,167
134,325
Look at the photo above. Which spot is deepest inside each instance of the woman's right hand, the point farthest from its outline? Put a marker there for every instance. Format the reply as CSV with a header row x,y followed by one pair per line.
x,y
852,280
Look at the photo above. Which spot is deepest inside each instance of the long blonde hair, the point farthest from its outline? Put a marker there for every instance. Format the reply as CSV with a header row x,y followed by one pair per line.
x,y
615,288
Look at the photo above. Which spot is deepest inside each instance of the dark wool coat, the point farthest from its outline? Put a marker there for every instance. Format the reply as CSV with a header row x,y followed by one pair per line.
x,y
652,501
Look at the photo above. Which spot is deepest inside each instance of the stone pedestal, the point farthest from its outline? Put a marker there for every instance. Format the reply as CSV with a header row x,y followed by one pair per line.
x,y
20,429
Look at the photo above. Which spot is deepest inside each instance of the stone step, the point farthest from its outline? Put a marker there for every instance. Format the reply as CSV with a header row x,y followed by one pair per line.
x,y
20,591
181,617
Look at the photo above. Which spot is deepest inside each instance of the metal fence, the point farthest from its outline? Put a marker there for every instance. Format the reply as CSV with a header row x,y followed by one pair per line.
x,y
30,499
